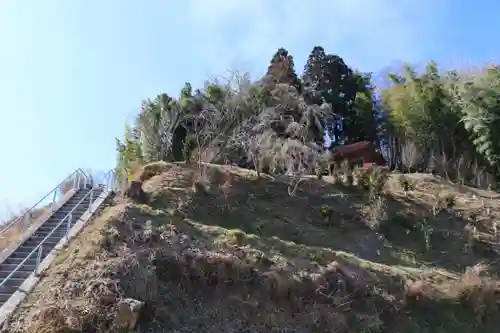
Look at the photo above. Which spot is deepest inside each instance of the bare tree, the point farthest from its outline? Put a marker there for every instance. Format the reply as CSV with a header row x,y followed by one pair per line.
x,y
274,138
410,155
224,127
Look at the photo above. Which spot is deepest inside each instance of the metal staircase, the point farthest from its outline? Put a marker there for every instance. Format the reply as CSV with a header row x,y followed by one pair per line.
x,y
26,258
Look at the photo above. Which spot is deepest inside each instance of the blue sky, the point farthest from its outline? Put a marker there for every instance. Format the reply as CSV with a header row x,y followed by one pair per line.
x,y
73,72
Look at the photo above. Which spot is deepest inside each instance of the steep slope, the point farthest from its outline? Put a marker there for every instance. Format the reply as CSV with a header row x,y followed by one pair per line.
x,y
225,251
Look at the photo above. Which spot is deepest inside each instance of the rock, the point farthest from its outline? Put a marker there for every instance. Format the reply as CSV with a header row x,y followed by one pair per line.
x,y
136,192
128,313
417,291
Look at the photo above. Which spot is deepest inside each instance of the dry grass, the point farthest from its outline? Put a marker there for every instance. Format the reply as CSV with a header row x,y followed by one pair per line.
x,y
237,253
13,234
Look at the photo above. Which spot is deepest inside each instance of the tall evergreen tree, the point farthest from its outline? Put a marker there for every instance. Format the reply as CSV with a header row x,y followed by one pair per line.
x,y
327,78
282,69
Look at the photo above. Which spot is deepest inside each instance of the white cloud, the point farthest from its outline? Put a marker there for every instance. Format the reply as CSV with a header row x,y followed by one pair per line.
x,y
366,33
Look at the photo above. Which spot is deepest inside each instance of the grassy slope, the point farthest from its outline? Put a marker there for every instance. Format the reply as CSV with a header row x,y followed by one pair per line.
x,y
239,252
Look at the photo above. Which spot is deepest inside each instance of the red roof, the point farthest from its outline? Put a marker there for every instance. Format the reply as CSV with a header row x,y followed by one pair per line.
x,y
351,148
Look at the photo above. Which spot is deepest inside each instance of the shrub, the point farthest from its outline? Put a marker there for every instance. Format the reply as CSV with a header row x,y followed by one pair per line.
x,y
373,180
377,213
326,212
406,183
444,200
189,147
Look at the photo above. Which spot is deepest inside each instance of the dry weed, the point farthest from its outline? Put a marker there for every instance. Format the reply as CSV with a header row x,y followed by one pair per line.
x,y
14,227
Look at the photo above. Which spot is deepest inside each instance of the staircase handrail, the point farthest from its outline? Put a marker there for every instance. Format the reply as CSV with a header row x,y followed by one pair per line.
x,y
39,247
53,192
109,179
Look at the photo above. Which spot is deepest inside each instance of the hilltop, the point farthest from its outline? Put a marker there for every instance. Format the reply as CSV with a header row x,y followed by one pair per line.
x,y
223,250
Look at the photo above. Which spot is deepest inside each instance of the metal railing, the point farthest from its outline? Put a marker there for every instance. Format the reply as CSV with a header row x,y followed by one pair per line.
x,y
39,248
77,177
108,181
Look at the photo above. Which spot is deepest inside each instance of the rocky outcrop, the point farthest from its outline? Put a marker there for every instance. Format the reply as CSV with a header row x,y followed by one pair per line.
x,y
136,193
128,313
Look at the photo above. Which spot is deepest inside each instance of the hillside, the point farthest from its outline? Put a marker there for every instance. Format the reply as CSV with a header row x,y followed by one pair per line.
x,y
226,251
12,229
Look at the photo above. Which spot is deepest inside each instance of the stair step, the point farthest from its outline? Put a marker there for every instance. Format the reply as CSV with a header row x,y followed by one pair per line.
x,y
23,268
22,252
61,214
46,229
55,235
13,282
52,223
59,232
65,216
48,242
17,261
18,274
39,237
8,289
27,249
78,204
65,211
52,231
42,233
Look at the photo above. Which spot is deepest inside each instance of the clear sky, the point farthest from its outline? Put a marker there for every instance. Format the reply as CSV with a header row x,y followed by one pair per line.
x,y
73,72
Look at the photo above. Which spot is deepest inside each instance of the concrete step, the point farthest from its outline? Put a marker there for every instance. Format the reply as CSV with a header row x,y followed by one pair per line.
x,y
23,252
13,282
62,228
18,274
77,201
64,211
41,236
17,261
80,195
75,215
58,234
77,206
45,230
60,215
23,268
33,242
58,218
42,232
5,297
55,219
8,289
27,249
52,223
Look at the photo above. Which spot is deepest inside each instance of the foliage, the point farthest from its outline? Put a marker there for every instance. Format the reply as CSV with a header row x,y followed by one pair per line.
x,y
426,121
441,121
189,147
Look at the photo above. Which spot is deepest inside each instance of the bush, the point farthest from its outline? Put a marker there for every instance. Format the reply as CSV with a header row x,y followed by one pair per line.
x,y
377,213
444,200
406,183
322,164
189,147
326,212
373,180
